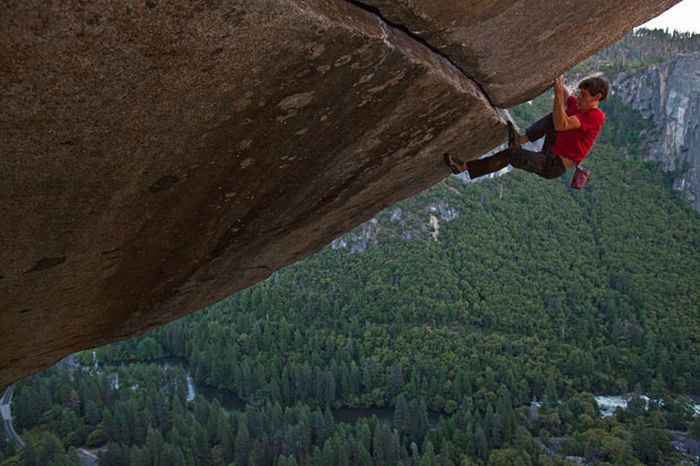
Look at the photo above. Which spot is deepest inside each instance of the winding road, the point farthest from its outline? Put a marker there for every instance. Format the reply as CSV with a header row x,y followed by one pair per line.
x,y
6,411
86,458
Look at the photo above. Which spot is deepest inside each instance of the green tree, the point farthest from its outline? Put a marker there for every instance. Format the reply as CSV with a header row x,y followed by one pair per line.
x,y
149,348
242,444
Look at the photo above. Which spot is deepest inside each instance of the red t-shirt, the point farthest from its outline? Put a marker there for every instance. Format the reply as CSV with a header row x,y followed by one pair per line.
x,y
575,144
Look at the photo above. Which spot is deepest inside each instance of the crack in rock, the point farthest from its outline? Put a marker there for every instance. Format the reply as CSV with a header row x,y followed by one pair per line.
x,y
385,24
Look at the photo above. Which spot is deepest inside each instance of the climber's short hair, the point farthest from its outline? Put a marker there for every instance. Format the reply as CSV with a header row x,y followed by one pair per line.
x,y
595,85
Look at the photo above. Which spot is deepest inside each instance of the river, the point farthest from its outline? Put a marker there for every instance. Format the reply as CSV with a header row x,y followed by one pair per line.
x,y
231,402
607,404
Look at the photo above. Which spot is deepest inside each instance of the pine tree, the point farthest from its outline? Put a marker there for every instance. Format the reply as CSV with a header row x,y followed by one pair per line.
x,y
481,444
242,443
379,446
444,457
328,453
428,457
401,413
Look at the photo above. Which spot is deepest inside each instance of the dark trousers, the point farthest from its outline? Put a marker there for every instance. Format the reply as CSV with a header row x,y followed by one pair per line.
x,y
543,163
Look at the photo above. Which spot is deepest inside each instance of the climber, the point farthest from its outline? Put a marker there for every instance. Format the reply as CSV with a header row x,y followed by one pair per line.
x,y
569,132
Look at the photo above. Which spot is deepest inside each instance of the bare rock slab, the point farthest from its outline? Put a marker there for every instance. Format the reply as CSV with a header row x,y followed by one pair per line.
x,y
515,48
158,156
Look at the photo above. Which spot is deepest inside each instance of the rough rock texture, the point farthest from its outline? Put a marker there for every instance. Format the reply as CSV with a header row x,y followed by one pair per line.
x,y
515,47
669,95
158,156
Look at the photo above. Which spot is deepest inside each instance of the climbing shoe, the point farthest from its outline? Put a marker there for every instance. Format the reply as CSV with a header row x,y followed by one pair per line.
x,y
455,164
512,136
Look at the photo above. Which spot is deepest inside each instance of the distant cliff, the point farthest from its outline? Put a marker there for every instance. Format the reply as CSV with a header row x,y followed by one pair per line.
x,y
669,95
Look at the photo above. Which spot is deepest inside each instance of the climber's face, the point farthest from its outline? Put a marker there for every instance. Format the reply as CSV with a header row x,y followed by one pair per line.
x,y
586,101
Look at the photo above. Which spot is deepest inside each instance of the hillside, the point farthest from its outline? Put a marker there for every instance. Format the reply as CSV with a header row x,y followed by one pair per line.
x,y
639,49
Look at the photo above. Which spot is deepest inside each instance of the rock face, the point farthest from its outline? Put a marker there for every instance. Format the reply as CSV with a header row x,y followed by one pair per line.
x,y
669,95
513,48
159,156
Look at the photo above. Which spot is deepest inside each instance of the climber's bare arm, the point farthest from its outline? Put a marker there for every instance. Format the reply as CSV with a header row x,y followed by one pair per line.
x,y
562,122
567,91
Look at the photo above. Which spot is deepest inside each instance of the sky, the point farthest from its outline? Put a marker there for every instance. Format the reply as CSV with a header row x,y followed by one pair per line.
x,y
683,17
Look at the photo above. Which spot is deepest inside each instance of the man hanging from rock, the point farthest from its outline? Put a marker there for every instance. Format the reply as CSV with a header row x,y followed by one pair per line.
x,y
569,132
